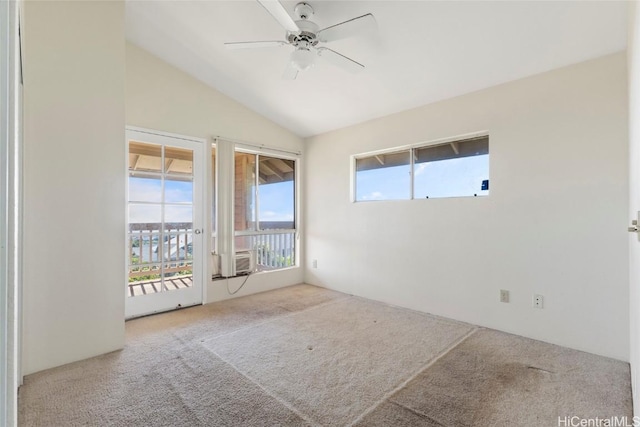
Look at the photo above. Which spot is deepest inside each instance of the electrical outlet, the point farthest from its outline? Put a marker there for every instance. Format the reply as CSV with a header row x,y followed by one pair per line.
x,y
314,263
504,295
538,301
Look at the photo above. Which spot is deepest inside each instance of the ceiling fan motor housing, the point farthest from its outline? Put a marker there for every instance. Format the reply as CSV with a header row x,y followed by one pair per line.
x,y
307,34
303,10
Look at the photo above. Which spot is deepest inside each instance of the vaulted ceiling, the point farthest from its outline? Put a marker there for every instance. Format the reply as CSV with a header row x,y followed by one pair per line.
x,y
422,52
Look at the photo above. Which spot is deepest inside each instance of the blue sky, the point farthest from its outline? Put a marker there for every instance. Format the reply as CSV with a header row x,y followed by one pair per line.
x,y
445,178
150,190
276,200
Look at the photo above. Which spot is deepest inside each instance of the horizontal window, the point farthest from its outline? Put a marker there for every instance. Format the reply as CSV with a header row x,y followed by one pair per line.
x,y
455,169
458,168
384,177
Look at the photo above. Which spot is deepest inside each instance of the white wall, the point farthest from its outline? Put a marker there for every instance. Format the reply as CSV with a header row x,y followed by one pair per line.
x,y
74,66
554,223
162,97
159,96
633,55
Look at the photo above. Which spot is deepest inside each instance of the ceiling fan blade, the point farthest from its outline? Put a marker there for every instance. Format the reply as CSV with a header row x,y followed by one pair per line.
x,y
352,27
254,45
291,72
340,60
280,14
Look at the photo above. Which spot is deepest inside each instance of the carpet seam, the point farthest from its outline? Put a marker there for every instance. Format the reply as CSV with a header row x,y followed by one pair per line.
x,y
403,384
436,317
302,415
187,408
283,316
418,413
281,401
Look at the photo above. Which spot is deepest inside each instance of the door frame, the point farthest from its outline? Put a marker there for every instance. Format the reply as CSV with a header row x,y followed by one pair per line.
x,y
200,265
10,211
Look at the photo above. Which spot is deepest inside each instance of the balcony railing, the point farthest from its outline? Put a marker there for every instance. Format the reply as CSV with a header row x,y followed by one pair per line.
x,y
273,248
160,258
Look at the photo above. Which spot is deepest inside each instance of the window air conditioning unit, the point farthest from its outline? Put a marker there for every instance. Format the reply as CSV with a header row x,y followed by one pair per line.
x,y
245,262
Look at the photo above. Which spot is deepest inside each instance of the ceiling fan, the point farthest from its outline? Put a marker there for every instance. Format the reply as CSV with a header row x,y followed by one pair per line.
x,y
304,35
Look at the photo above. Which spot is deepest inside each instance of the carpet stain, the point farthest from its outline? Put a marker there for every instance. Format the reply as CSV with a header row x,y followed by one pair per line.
x,y
504,379
494,378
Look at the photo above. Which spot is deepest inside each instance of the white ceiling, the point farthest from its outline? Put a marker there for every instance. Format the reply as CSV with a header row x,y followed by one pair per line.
x,y
423,51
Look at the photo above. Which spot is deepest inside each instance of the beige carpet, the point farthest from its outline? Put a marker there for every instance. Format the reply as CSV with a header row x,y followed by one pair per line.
x,y
333,362
308,356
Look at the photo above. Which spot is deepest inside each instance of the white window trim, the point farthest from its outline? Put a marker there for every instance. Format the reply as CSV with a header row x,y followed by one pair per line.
x,y
430,143
251,148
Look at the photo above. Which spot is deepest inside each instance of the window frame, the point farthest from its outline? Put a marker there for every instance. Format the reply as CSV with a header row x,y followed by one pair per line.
x,y
274,153
225,244
239,148
411,149
296,187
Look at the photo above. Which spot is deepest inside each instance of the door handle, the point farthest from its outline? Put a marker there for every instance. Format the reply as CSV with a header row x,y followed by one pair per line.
x,y
634,226
197,231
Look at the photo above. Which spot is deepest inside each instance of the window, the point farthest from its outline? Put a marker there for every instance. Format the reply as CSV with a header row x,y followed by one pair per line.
x,y
264,208
255,207
384,177
276,194
456,168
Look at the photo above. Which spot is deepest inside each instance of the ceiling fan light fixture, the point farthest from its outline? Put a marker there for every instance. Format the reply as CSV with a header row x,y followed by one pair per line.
x,y
302,58
304,35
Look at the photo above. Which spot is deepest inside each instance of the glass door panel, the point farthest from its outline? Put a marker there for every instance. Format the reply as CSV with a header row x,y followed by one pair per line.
x,y
164,251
